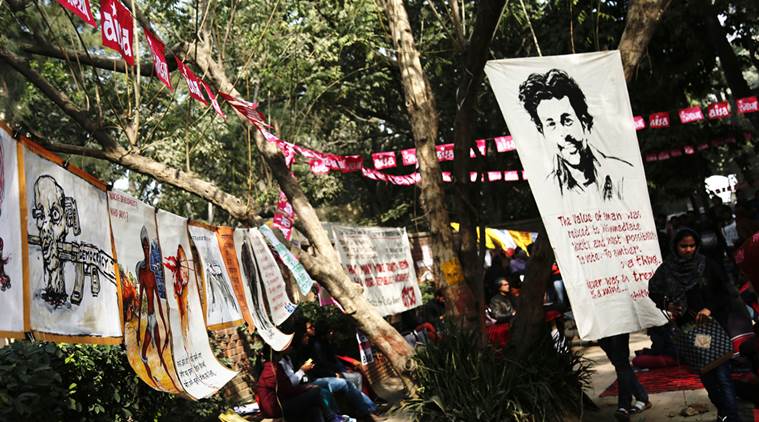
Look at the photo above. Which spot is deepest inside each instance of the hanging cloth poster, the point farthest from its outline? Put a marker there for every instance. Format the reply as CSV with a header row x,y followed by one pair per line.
x,y
573,126
72,287
11,251
226,237
252,283
147,331
279,303
221,307
302,278
379,259
200,374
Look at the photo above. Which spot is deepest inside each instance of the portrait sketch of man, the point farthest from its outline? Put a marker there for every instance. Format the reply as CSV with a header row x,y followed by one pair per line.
x,y
558,108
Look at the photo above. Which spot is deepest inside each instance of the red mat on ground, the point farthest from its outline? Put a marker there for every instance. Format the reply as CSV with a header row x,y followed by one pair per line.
x,y
673,378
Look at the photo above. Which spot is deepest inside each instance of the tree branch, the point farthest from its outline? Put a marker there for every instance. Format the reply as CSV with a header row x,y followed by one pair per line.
x,y
642,19
100,62
115,153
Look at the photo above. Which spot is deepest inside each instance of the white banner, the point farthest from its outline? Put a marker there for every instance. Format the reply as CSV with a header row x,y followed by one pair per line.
x,y
221,305
72,282
254,291
11,270
300,274
571,119
200,374
268,271
379,259
147,327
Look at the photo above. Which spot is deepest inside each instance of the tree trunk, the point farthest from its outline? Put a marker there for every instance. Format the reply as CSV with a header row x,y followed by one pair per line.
x,y
325,266
642,18
468,199
529,323
423,117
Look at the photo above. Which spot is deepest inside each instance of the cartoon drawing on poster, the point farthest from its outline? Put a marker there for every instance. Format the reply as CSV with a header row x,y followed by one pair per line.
x,y
221,305
147,332
254,291
72,280
572,123
200,373
11,271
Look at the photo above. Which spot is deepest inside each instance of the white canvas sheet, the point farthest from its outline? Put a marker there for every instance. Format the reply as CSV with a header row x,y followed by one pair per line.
x,y
72,285
571,119
200,374
147,328
11,270
379,259
221,305
254,293
280,305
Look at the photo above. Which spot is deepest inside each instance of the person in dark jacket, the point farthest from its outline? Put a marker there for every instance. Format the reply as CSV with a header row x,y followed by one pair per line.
x,y
278,397
691,288
502,305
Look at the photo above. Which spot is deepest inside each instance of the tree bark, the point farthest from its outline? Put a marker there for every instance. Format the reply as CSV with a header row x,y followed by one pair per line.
x,y
423,116
468,199
325,266
642,18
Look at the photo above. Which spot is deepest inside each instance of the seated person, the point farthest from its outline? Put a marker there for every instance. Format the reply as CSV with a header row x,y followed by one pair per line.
x,y
326,364
363,405
502,306
278,397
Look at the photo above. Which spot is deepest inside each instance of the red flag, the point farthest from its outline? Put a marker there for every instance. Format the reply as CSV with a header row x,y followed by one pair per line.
x,y
720,110
193,82
658,120
214,102
447,177
444,152
690,114
494,176
504,144
318,167
510,175
677,152
524,175
247,109
80,8
408,157
383,160
663,155
689,150
351,163
747,105
160,66
481,145
651,156
639,122
118,28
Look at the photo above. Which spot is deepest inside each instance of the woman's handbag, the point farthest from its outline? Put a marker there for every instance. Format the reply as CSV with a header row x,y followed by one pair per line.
x,y
703,345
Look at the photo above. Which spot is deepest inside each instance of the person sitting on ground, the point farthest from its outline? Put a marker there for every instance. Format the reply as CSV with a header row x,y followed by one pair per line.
x,y
326,363
278,397
498,269
503,306
433,311
691,288
362,404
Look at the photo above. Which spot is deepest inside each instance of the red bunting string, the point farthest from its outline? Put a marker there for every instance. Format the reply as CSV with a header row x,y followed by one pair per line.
x,y
118,28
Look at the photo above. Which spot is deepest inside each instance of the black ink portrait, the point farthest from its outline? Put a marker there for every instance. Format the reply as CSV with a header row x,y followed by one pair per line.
x,y
558,108
56,217
253,276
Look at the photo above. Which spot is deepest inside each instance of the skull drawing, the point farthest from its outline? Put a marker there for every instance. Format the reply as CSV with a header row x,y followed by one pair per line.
x,y
49,215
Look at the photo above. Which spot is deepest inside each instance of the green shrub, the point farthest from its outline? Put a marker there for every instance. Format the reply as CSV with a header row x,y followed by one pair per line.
x,y
462,379
49,381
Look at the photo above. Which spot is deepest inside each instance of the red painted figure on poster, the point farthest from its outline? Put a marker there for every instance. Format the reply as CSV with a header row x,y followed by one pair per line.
x,y
149,289
180,268
5,281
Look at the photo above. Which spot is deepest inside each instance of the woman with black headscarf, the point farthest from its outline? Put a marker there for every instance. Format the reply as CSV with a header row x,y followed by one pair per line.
x,y
691,287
